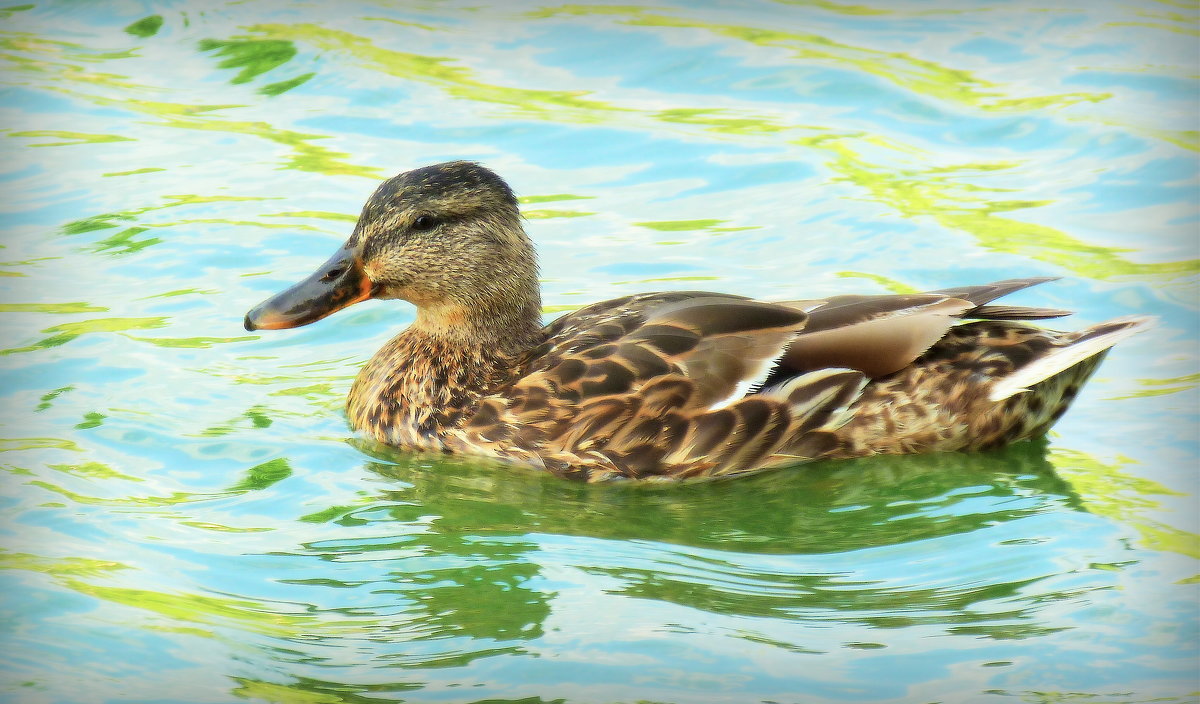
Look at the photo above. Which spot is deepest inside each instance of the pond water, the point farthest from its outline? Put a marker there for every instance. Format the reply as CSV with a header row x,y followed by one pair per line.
x,y
187,518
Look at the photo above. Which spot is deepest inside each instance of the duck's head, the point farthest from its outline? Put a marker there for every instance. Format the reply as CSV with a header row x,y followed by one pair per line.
x,y
447,238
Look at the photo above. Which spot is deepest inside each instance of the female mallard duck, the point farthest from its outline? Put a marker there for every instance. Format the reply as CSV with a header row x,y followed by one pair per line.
x,y
667,385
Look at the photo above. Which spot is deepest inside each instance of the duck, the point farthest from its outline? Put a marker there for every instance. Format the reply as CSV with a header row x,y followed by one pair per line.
x,y
668,385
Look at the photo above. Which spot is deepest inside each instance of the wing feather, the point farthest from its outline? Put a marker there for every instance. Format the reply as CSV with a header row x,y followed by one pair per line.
x,y
882,334
875,335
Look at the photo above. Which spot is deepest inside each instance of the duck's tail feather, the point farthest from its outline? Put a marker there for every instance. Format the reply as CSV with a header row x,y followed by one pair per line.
x,y
1080,346
1014,313
986,293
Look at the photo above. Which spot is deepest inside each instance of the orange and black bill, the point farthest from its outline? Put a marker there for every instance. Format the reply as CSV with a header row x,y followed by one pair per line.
x,y
339,282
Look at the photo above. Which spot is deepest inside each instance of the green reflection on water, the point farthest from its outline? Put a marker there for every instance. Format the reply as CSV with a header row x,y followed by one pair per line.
x,y
252,56
18,444
96,222
255,57
284,86
134,172
917,75
145,27
94,470
202,343
261,617
820,509
75,137
309,692
943,196
124,242
853,10
1188,139
551,198
714,120
942,193
7,12
549,310
455,80
881,490
1162,387
798,510
319,214
48,398
73,573
321,390
62,567
264,475
56,308
113,219
545,214
893,285
258,417
69,331
178,497
479,524
405,23
49,66
77,82
860,10
1110,491
305,156
256,478
92,419
181,292
1187,24
680,225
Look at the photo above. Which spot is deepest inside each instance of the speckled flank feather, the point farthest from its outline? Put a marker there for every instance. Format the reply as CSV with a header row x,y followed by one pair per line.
x,y
678,384
942,401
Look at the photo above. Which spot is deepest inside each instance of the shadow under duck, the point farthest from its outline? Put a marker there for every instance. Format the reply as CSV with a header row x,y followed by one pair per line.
x,y
667,385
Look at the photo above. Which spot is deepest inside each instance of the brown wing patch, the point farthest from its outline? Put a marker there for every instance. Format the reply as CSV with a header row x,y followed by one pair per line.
x,y
873,334
669,339
635,380
882,334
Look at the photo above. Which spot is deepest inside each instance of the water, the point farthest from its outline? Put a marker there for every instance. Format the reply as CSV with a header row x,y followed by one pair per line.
x,y
188,519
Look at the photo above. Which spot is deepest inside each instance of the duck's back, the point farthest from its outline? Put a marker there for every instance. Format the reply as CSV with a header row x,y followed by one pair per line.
x,y
698,384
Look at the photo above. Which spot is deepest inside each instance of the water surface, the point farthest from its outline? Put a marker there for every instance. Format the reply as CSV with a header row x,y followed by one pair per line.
x,y
186,517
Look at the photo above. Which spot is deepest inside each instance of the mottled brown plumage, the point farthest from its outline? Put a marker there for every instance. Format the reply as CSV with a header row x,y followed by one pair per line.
x,y
667,385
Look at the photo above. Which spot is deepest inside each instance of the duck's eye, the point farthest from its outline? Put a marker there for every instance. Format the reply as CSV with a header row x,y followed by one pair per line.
x,y
423,223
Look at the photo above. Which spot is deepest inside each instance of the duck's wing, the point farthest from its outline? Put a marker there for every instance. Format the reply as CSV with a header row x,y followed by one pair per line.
x,y
986,293
882,334
719,345
657,385
877,335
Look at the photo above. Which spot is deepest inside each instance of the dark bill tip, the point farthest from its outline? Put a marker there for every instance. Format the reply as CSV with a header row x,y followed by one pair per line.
x,y
339,282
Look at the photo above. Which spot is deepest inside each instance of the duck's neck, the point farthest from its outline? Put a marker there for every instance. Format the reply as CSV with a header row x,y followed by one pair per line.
x,y
431,376
508,328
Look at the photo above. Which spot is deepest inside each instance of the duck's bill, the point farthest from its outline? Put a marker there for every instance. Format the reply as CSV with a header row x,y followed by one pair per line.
x,y
339,282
